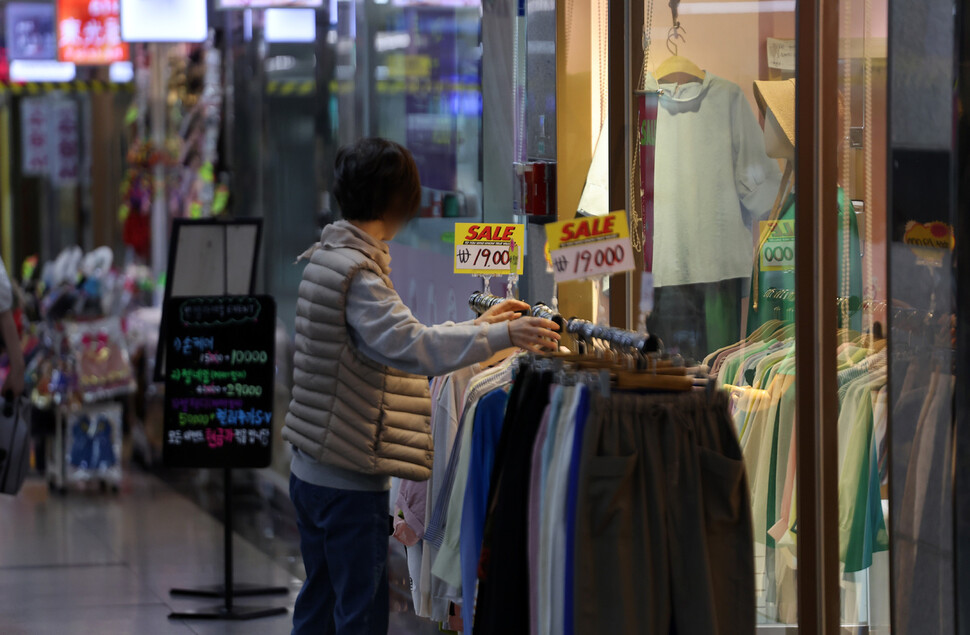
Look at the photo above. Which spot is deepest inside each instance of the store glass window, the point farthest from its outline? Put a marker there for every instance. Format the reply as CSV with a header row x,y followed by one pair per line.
x,y
412,72
717,211
865,395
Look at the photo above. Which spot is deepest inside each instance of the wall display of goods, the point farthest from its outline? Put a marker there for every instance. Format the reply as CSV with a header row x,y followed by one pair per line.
x,y
93,445
73,312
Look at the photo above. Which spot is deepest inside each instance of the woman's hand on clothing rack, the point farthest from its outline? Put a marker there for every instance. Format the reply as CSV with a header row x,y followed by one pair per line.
x,y
503,312
534,334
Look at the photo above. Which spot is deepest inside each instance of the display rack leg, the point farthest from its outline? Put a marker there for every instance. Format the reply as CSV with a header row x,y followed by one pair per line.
x,y
229,591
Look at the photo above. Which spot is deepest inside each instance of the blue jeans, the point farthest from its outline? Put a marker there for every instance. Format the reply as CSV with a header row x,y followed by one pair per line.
x,y
344,542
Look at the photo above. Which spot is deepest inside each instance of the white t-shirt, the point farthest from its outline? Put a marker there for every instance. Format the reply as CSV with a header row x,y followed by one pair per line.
x,y
713,179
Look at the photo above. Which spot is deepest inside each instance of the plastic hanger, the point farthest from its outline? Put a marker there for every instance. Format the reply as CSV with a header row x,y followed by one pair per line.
x,y
677,69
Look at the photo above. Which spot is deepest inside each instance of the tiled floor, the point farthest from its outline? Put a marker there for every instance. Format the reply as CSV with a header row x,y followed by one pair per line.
x,y
101,564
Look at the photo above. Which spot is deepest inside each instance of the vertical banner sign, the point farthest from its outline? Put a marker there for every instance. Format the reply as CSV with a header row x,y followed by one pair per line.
x,y
648,145
35,136
219,390
66,164
486,249
89,32
589,247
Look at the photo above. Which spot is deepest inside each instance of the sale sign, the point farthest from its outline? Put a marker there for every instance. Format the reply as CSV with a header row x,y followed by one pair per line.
x,y
89,32
589,247
489,249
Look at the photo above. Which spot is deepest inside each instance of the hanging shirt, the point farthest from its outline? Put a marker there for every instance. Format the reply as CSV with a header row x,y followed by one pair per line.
x,y
444,423
489,418
713,179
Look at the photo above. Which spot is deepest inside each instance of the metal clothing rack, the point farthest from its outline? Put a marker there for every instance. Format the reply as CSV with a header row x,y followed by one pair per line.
x,y
584,330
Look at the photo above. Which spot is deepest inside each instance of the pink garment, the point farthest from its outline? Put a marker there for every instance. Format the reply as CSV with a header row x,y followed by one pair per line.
x,y
412,501
404,534
535,511
781,527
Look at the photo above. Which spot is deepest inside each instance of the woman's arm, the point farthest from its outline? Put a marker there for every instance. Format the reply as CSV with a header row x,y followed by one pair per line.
x,y
385,330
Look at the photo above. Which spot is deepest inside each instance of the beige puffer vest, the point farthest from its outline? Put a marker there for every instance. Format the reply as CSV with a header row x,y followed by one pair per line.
x,y
347,410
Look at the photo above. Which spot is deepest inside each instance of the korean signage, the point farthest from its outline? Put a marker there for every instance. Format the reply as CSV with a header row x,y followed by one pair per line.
x,y
66,151
489,249
589,247
50,139
35,116
219,390
929,241
89,32
30,31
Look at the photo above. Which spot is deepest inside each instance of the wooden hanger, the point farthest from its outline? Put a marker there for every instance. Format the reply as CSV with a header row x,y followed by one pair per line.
x,y
646,380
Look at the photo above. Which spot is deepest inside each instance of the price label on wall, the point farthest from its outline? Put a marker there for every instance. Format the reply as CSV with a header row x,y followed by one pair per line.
x,y
589,247
489,249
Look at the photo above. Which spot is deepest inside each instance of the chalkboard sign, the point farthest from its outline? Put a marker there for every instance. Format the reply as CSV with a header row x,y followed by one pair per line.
x,y
219,387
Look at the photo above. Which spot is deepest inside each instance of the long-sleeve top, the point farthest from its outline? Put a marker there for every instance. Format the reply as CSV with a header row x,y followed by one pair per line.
x,y
713,180
489,419
384,330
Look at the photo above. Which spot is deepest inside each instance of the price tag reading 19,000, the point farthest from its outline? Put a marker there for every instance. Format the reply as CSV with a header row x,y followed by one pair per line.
x,y
485,249
589,247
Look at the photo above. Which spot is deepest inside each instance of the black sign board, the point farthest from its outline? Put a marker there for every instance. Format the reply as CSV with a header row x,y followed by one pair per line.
x,y
219,386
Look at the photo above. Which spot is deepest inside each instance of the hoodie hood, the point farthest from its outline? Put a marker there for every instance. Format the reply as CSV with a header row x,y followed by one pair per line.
x,y
344,235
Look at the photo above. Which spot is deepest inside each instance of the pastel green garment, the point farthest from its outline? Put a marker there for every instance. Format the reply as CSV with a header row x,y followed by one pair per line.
x,y
862,527
784,280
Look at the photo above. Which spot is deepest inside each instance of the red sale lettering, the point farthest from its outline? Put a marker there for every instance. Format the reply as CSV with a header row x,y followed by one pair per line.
x,y
588,228
607,225
496,233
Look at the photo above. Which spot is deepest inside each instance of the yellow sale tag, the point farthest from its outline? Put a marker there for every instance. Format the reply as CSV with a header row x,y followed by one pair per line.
x,y
586,230
486,248
590,247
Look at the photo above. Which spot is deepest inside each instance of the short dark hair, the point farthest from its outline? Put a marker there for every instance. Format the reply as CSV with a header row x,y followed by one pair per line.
x,y
375,178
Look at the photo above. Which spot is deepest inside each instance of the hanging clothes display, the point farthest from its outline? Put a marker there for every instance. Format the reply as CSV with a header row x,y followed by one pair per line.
x,y
518,524
923,415
759,374
703,225
663,527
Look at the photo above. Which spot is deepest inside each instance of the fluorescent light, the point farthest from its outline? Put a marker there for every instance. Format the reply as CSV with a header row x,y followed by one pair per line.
x,y
391,40
164,20
42,71
280,63
720,8
291,25
265,4
121,72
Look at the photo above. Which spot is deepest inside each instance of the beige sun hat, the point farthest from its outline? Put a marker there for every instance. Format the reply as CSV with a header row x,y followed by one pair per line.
x,y
779,97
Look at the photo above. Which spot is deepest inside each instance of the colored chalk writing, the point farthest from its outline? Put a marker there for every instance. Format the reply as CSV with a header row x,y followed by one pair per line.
x,y
219,388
